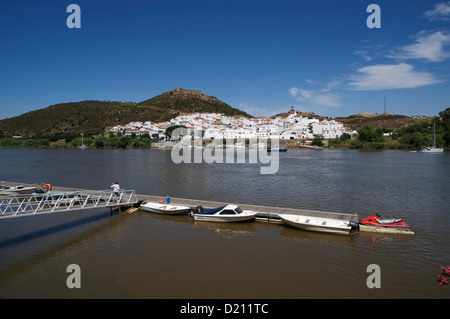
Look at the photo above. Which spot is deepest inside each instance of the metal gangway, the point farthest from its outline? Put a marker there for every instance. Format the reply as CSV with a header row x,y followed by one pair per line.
x,y
53,202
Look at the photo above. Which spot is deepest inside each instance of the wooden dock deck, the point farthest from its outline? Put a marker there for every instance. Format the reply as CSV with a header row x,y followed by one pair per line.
x,y
265,213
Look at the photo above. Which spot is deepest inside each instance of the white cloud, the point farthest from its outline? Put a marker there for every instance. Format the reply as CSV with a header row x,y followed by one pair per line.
x,y
427,46
386,76
300,94
313,98
332,84
440,11
364,54
328,100
312,82
261,112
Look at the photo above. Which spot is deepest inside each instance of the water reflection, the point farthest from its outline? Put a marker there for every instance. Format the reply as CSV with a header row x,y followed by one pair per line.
x,y
48,231
303,235
227,229
176,219
49,242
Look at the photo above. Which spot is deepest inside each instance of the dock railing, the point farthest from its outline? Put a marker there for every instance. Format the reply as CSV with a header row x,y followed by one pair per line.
x,y
53,202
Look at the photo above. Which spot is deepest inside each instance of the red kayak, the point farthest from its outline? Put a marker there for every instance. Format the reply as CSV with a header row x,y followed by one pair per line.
x,y
376,220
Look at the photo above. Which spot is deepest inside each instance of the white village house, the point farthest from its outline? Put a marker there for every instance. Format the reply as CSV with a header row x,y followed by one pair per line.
x,y
218,126
328,129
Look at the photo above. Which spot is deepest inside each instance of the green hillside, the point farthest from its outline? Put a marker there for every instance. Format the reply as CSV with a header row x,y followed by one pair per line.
x,y
189,101
93,116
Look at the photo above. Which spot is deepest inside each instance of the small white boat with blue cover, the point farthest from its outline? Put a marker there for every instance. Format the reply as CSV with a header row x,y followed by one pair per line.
x,y
226,214
166,209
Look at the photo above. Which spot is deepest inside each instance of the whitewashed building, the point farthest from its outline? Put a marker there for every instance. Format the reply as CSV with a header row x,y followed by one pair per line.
x,y
217,126
328,129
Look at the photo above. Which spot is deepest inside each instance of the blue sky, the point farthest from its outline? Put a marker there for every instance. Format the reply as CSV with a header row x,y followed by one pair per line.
x,y
259,56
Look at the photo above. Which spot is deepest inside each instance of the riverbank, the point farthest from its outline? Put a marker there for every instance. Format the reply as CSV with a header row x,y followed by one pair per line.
x,y
145,142
112,142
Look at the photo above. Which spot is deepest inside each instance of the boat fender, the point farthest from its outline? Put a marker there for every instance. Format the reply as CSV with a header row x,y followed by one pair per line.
x,y
46,187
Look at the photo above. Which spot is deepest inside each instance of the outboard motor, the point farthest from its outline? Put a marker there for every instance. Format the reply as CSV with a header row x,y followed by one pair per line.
x,y
353,224
199,209
139,203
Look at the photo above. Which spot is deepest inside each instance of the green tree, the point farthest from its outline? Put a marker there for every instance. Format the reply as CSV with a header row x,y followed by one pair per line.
x,y
134,143
124,141
146,141
76,142
369,134
317,140
445,125
35,142
11,142
113,142
169,131
99,142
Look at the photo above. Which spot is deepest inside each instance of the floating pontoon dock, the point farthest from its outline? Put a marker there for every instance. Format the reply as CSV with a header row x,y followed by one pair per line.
x,y
26,205
62,201
265,213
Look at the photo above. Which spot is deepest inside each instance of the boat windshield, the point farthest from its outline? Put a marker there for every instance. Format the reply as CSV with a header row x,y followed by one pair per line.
x,y
227,212
238,210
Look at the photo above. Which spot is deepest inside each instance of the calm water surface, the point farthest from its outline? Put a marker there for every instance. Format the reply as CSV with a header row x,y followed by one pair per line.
x,y
143,255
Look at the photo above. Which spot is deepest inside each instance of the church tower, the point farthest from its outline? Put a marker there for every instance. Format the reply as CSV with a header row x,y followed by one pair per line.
x,y
292,111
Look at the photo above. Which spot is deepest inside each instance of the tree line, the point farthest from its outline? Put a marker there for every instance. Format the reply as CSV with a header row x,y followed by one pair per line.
x,y
414,136
75,141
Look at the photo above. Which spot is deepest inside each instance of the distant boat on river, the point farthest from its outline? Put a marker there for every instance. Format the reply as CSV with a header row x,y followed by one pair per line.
x,y
433,149
83,147
276,149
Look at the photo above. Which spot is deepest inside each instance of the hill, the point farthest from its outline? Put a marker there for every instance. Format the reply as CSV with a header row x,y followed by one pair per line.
x,y
385,120
93,116
179,101
389,121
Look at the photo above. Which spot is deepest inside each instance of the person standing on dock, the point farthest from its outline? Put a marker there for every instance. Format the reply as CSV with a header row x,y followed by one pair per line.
x,y
116,190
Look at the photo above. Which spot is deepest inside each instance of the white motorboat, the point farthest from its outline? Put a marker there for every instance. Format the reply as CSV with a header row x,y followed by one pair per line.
x,y
228,213
17,190
326,225
167,209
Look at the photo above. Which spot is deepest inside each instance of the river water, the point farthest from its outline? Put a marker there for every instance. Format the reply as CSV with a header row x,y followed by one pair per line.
x,y
144,255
